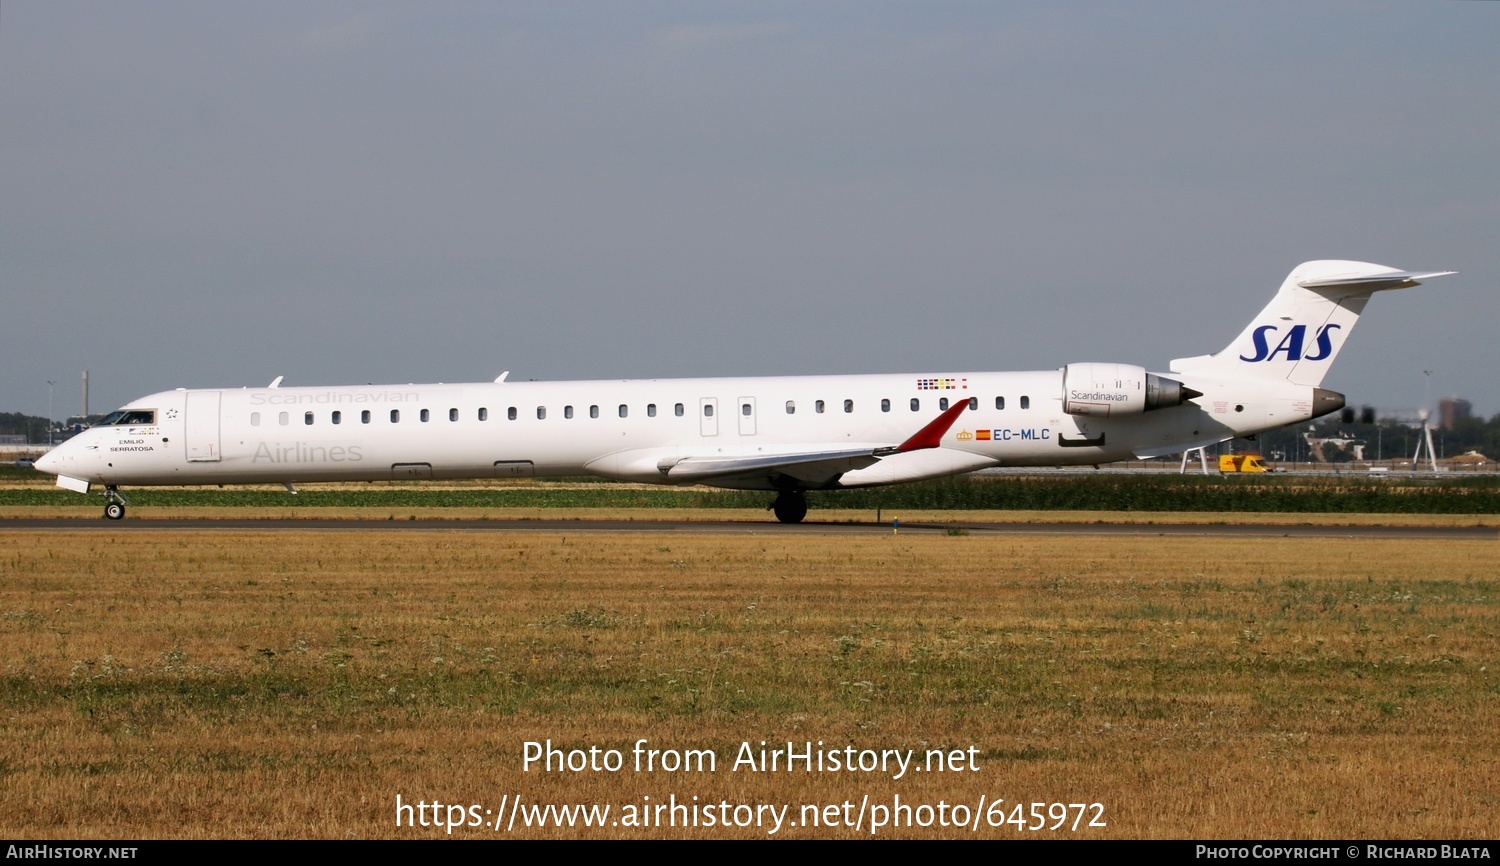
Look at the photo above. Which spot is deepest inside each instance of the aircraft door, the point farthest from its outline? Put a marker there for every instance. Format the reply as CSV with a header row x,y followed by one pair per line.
x,y
747,416
202,427
708,416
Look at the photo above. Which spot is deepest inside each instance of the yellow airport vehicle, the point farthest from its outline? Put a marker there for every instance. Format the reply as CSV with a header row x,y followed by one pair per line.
x,y
1242,463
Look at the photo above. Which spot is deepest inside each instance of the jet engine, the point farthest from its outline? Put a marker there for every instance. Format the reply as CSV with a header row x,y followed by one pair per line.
x,y
1106,390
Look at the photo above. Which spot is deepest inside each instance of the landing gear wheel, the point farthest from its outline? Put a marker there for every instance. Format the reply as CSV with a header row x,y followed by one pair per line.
x,y
790,506
114,503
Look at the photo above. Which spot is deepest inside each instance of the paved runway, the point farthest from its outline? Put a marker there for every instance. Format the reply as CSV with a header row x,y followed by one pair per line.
x,y
1220,530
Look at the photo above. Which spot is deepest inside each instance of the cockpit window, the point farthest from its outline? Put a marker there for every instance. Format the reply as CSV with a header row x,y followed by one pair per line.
x,y
128,417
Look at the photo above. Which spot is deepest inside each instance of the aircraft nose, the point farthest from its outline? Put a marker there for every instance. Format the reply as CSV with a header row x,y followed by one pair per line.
x,y
48,463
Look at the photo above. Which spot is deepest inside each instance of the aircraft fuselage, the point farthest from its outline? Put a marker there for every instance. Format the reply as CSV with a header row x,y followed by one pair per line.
x,y
627,429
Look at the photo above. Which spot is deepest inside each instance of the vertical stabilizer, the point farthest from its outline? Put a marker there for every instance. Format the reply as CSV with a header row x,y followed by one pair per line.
x,y
1298,335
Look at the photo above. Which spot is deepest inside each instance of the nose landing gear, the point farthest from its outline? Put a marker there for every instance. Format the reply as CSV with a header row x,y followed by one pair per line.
x,y
790,506
114,507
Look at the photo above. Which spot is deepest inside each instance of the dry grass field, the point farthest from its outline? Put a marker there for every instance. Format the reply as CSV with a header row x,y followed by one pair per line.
x,y
288,684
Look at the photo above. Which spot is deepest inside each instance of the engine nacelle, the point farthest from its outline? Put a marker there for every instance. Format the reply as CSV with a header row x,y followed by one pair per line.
x,y
1106,390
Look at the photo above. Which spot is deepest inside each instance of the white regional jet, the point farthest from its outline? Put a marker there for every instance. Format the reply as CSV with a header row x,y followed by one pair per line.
x,y
782,434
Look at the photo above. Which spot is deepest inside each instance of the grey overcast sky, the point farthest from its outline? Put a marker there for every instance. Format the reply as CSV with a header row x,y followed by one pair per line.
x,y
214,194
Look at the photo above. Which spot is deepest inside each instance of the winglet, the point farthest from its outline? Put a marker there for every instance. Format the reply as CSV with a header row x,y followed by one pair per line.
x,y
930,436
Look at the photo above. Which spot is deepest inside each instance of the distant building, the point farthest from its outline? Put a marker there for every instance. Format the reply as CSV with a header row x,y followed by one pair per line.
x,y
1451,410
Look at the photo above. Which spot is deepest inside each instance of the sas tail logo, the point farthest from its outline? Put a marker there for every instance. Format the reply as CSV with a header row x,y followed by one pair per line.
x,y
1291,344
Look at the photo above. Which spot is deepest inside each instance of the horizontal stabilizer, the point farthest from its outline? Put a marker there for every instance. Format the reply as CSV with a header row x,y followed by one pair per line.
x,y
1376,282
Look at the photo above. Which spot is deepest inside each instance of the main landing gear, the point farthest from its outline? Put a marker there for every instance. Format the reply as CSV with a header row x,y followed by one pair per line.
x,y
790,506
114,507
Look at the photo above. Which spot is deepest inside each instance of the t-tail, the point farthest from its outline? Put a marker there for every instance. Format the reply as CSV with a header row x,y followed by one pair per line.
x,y
1298,335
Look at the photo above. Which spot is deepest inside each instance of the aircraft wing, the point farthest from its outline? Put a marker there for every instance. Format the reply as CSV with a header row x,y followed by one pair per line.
x,y
812,467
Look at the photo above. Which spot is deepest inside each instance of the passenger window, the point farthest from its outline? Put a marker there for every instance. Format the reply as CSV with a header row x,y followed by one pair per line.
x,y
745,409
999,402
425,416
848,405
973,404
541,413
1025,402
885,405
307,418
708,410
364,417
484,414
593,411
650,410
624,410
510,413
943,404
568,412
395,416
254,419
791,407
916,405
337,417
452,414
282,419
677,410
818,407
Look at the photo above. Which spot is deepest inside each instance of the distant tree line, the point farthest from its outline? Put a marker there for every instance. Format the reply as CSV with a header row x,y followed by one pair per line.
x,y
34,427
1383,439
17,424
